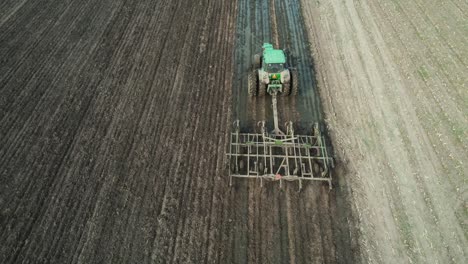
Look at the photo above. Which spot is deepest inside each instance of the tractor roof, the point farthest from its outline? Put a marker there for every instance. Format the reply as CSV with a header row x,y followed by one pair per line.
x,y
272,55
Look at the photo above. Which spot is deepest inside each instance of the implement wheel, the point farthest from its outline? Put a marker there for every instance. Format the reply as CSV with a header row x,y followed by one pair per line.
x,y
295,82
253,83
261,168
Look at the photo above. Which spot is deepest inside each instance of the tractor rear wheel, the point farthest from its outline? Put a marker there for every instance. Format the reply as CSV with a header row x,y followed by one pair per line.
x,y
295,83
286,89
262,89
257,58
253,82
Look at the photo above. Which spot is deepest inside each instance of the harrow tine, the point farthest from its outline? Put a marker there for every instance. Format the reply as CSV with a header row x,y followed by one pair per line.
x,y
264,156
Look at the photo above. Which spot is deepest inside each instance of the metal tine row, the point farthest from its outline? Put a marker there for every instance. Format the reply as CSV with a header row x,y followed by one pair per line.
x,y
282,157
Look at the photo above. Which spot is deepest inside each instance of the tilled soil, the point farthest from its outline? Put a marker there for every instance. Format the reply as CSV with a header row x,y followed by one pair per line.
x,y
114,123
393,77
114,116
311,226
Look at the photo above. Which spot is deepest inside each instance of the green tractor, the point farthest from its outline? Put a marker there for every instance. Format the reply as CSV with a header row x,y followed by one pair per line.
x,y
271,75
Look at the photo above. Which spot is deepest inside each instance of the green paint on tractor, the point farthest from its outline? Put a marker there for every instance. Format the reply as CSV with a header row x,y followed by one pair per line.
x,y
275,76
274,61
272,55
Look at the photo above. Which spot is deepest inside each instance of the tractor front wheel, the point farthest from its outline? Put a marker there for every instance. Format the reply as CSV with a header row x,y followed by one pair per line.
x,y
295,83
253,82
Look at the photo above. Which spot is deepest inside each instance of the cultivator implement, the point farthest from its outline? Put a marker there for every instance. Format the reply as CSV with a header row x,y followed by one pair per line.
x,y
279,156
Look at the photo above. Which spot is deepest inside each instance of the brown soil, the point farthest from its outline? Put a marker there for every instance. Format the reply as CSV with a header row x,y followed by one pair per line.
x,y
393,79
114,123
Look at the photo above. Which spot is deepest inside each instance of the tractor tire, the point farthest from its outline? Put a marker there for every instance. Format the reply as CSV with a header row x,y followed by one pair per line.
x,y
253,83
257,58
295,82
262,89
286,89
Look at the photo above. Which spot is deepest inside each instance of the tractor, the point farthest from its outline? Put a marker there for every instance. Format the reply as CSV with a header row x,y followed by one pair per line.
x,y
277,155
271,75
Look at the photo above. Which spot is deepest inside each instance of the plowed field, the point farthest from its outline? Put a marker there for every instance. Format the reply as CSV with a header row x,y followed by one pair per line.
x,y
115,115
114,119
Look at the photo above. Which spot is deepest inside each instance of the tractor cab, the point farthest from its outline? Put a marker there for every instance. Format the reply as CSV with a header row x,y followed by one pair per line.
x,y
271,74
273,65
273,59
